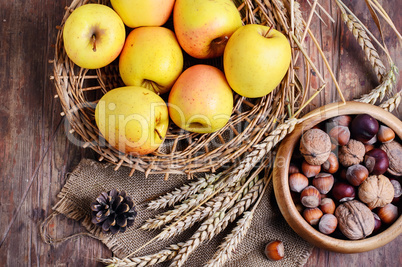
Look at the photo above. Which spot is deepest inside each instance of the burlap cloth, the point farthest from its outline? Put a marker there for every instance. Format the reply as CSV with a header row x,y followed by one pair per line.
x,y
90,178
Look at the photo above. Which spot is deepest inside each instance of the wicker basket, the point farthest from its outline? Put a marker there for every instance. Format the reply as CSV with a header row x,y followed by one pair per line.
x,y
182,152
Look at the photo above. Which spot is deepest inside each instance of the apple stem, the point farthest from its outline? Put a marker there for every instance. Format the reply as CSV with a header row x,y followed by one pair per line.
x,y
266,34
160,136
94,43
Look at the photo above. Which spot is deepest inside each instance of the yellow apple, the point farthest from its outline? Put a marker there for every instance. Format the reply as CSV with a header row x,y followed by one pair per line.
x,y
203,27
151,58
93,36
132,119
136,13
201,100
255,60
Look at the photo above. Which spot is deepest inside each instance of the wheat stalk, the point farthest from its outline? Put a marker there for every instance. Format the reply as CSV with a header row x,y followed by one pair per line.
x,y
183,192
381,90
364,41
148,260
298,21
392,102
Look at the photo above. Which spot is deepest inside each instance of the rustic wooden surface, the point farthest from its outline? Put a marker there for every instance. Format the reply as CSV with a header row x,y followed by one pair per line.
x,y
35,154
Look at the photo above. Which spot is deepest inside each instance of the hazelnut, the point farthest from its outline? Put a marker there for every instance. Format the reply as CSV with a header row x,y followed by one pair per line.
x,y
342,192
342,120
297,182
397,187
368,147
315,146
376,161
394,153
331,165
327,224
293,168
312,215
352,153
310,170
339,135
385,134
388,214
376,191
323,182
275,250
310,197
356,174
355,220
327,205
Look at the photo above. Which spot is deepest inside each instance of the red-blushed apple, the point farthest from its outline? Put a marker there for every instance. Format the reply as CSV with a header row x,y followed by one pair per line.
x,y
132,119
137,13
204,27
93,36
151,58
256,59
201,100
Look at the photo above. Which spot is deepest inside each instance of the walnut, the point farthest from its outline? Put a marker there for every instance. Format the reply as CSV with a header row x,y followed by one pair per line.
x,y
355,220
394,153
376,191
315,146
352,153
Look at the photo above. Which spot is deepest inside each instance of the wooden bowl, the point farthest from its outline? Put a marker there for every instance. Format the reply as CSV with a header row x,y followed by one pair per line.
x,y
281,186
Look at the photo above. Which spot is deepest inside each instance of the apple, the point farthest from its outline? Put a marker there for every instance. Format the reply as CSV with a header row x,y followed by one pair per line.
x,y
136,13
201,100
256,59
132,119
151,58
93,36
203,27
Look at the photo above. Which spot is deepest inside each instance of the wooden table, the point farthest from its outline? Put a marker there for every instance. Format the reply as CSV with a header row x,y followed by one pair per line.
x,y
35,154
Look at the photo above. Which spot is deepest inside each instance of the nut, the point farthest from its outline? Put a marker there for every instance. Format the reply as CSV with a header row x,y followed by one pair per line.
x,y
331,165
310,197
352,153
297,182
312,215
310,170
388,214
385,134
394,153
364,127
376,191
315,146
356,174
342,191
275,250
342,120
355,220
293,168
327,224
323,182
339,135
377,223
376,161
327,205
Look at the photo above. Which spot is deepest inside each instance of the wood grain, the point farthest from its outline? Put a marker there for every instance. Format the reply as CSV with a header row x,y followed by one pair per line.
x,y
35,154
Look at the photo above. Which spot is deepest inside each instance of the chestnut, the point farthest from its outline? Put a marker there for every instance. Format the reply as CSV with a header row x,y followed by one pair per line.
x,y
364,127
297,182
310,197
310,170
323,182
327,205
331,165
385,134
377,223
388,214
356,174
342,191
339,135
397,189
312,215
376,161
327,224
275,250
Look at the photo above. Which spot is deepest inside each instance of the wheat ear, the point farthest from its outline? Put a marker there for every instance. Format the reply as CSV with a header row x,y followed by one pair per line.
x,y
392,102
183,192
364,41
380,91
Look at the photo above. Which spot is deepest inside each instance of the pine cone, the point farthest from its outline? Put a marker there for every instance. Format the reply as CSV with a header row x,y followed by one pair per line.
x,y
113,211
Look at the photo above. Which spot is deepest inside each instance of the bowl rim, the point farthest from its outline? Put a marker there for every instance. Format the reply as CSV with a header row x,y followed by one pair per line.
x,y
281,186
